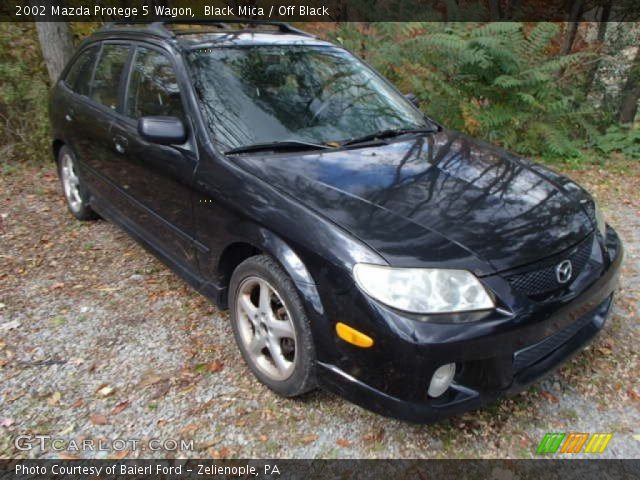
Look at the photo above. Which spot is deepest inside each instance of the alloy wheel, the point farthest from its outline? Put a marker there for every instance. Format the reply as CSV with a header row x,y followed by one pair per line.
x,y
266,329
70,182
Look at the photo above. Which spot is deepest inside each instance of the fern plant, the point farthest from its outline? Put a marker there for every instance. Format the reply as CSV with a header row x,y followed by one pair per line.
x,y
497,81
619,138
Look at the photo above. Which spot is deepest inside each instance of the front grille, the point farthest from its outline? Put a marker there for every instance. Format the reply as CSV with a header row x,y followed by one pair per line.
x,y
541,279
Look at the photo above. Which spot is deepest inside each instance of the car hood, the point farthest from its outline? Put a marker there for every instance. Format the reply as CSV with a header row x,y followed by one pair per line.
x,y
441,199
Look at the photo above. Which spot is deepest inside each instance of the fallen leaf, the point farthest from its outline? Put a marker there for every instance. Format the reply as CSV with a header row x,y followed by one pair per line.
x,y
98,419
263,438
6,422
161,390
57,286
215,366
120,455
549,396
150,379
343,442
199,368
307,439
189,428
604,350
186,390
105,390
9,325
54,398
67,456
224,452
374,436
120,407
67,430
108,289
78,403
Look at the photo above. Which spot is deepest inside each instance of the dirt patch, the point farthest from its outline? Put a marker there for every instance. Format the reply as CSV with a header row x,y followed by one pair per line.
x,y
100,341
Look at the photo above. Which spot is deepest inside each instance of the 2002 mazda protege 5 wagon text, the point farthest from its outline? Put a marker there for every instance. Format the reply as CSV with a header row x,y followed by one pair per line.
x,y
358,244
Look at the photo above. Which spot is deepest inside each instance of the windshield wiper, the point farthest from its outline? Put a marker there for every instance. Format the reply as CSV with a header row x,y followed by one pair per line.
x,y
392,132
283,145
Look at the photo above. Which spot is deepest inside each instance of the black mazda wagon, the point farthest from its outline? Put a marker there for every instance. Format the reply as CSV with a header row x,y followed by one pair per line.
x,y
358,244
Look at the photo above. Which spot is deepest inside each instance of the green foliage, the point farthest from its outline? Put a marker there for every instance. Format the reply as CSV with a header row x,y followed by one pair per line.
x,y
619,138
498,81
24,91
504,82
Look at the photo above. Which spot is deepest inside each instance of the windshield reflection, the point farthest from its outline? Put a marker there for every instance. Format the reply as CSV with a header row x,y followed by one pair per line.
x,y
289,93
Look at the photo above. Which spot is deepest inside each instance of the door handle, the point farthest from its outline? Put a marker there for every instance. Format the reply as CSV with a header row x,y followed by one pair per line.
x,y
120,143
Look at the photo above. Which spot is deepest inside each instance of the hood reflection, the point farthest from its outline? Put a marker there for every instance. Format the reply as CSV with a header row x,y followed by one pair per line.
x,y
406,199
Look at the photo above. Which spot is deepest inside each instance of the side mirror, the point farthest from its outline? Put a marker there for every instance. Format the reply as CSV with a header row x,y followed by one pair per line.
x,y
162,130
413,98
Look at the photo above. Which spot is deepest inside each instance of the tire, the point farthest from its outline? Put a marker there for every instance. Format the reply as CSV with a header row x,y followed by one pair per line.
x,y
75,193
291,370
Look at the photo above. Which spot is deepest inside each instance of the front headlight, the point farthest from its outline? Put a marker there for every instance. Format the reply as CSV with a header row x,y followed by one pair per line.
x,y
600,223
423,290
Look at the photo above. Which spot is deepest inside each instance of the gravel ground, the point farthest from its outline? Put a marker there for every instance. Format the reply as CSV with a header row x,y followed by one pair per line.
x,y
100,341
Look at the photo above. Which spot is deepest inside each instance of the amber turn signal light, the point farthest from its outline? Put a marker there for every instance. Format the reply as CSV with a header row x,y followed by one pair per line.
x,y
353,336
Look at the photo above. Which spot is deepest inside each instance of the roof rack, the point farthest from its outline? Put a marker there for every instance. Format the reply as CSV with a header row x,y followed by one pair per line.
x,y
159,28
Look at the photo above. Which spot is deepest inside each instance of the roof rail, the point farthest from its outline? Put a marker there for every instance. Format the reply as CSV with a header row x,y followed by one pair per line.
x,y
160,29
153,28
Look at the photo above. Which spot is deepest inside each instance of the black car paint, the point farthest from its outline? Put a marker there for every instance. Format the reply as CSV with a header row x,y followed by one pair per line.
x,y
428,200
444,194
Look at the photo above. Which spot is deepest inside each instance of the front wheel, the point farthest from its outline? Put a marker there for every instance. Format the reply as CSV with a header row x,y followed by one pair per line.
x,y
74,191
271,327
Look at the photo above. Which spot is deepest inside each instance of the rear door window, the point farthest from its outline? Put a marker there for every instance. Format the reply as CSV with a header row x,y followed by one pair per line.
x,y
106,80
79,76
153,87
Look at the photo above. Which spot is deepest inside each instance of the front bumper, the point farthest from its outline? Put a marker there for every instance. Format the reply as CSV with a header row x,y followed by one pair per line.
x,y
497,355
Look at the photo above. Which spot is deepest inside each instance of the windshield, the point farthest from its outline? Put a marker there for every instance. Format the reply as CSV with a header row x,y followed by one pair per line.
x,y
266,94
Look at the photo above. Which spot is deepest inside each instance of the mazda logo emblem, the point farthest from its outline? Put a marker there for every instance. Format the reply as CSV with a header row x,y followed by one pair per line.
x,y
563,271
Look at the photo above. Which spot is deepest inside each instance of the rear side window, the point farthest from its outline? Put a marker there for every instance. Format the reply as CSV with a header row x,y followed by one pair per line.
x,y
108,72
153,88
79,76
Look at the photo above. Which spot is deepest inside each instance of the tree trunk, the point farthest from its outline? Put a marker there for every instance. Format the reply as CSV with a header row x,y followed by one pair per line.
x,y
602,34
56,43
631,92
572,26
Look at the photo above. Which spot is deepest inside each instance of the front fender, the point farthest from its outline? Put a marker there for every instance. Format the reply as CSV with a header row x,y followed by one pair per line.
x,y
274,246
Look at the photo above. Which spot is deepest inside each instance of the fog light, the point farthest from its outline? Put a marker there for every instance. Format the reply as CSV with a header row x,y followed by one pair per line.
x,y
441,379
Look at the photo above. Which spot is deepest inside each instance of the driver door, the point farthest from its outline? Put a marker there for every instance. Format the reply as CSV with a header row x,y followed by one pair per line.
x,y
157,178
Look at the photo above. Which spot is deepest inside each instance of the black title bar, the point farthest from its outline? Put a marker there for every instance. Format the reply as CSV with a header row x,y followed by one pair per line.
x,y
318,469
322,10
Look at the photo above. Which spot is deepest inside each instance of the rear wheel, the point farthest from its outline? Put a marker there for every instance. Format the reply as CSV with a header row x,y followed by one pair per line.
x,y
74,191
271,326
